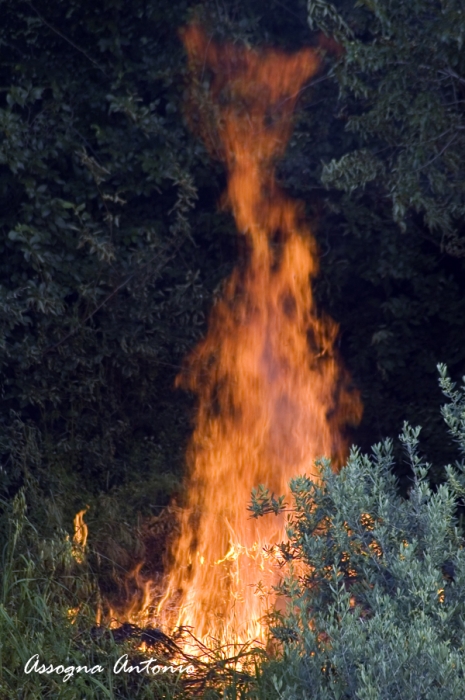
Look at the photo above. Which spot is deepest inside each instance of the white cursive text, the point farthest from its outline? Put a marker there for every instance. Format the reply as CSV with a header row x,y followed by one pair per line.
x,y
33,664
123,666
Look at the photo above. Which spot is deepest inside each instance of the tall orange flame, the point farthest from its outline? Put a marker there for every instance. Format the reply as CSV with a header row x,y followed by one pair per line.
x,y
272,394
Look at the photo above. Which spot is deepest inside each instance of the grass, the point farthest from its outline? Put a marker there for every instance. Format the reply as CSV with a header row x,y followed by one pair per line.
x,y
48,605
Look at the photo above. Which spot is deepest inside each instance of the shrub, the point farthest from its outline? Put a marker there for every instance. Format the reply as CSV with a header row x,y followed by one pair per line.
x,y
376,581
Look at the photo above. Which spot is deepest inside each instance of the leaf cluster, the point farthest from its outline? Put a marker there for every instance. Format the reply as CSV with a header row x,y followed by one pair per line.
x,y
400,76
101,293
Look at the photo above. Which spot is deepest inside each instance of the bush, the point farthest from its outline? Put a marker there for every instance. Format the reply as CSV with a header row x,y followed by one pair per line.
x,y
376,581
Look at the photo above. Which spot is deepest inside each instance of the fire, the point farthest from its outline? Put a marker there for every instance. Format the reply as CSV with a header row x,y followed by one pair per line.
x,y
81,532
272,394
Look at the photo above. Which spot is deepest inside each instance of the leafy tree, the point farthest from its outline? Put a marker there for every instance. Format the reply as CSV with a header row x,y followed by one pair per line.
x,y
400,74
100,293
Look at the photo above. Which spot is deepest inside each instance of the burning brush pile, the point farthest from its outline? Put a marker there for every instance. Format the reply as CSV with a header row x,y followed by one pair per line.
x,y
272,392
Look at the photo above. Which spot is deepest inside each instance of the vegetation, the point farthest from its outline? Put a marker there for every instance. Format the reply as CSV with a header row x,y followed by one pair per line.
x,y
377,609
49,598
112,248
95,192
400,75
100,293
